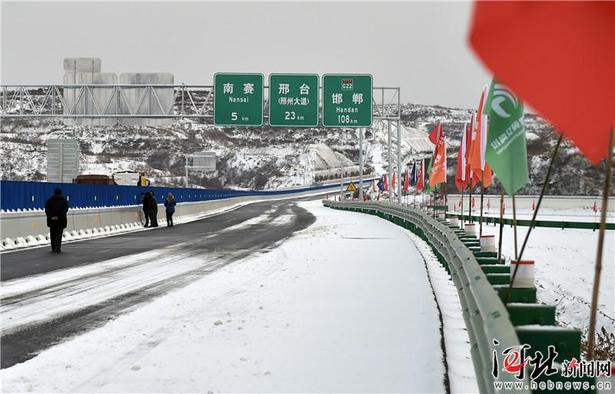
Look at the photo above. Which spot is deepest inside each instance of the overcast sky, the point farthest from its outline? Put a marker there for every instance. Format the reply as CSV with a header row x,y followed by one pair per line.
x,y
419,46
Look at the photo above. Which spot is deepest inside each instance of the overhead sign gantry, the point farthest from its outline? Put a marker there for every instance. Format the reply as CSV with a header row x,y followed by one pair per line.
x,y
293,100
238,99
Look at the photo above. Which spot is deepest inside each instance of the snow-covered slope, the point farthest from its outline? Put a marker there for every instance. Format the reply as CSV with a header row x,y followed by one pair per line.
x,y
273,157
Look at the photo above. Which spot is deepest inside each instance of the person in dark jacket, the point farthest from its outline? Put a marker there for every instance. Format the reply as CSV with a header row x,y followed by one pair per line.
x,y
56,208
145,200
169,205
153,210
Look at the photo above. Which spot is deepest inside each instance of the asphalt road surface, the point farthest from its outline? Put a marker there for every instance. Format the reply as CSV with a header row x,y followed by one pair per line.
x,y
46,298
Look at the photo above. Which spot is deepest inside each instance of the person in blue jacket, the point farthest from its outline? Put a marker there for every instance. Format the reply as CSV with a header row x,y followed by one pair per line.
x,y
169,205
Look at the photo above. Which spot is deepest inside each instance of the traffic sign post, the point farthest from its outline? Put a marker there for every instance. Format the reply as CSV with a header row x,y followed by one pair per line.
x,y
347,100
238,99
293,100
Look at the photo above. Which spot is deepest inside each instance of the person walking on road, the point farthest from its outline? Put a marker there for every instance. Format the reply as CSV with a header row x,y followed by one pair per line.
x,y
152,207
145,200
56,208
169,205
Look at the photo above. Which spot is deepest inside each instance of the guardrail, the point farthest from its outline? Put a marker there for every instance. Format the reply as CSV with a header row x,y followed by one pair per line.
x,y
538,223
484,313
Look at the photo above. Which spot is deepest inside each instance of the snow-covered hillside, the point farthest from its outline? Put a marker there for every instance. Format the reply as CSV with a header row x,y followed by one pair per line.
x,y
272,157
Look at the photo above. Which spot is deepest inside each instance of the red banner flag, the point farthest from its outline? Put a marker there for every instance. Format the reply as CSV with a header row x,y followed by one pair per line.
x,y
420,183
559,57
462,170
438,170
407,180
479,137
434,136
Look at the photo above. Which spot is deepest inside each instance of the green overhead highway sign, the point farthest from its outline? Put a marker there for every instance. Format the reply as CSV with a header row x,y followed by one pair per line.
x,y
238,99
293,100
347,100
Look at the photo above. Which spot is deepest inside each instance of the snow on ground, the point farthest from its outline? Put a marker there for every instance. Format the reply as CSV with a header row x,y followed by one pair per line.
x,y
343,306
564,264
460,371
571,215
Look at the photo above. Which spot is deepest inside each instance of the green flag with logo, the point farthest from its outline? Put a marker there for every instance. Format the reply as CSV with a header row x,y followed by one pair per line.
x,y
506,150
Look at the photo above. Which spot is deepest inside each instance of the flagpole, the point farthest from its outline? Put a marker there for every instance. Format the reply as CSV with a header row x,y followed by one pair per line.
x,y
470,203
542,193
501,225
514,206
461,218
598,269
482,194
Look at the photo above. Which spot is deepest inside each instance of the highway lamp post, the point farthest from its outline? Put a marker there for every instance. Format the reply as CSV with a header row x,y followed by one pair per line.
x,y
390,169
341,182
398,161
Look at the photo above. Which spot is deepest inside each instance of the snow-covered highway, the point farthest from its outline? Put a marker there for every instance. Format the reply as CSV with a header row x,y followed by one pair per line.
x,y
343,305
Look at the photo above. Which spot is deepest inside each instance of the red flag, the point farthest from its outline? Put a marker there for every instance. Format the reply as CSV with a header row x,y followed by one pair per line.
x,y
558,57
394,181
533,205
595,208
407,181
462,170
434,136
420,183
386,183
487,177
479,138
438,170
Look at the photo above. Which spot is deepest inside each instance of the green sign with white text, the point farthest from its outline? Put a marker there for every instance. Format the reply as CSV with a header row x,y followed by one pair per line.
x,y
238,99
347,100
293,100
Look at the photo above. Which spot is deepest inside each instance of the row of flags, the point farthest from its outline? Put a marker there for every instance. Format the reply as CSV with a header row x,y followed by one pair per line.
x,y
492,140
413,175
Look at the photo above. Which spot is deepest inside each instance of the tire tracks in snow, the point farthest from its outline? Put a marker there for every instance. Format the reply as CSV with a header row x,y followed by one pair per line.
x,y
39,311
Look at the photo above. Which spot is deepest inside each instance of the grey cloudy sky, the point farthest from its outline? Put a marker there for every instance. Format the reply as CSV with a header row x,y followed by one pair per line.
x,y
419,46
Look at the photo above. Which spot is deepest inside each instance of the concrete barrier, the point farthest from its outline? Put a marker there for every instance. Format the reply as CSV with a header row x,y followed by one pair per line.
x,y
28,228
487,243
470,229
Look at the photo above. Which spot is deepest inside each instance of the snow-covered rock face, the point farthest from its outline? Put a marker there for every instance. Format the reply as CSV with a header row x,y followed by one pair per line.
x,y
272,157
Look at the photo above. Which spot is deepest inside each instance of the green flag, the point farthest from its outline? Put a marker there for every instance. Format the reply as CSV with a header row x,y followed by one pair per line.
x,y
506,150
427,187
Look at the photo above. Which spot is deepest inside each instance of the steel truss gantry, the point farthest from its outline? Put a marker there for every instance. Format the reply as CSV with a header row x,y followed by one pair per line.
x,y
101,101
140,101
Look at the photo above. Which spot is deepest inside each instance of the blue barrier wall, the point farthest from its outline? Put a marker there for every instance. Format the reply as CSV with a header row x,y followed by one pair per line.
x,y
27,194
